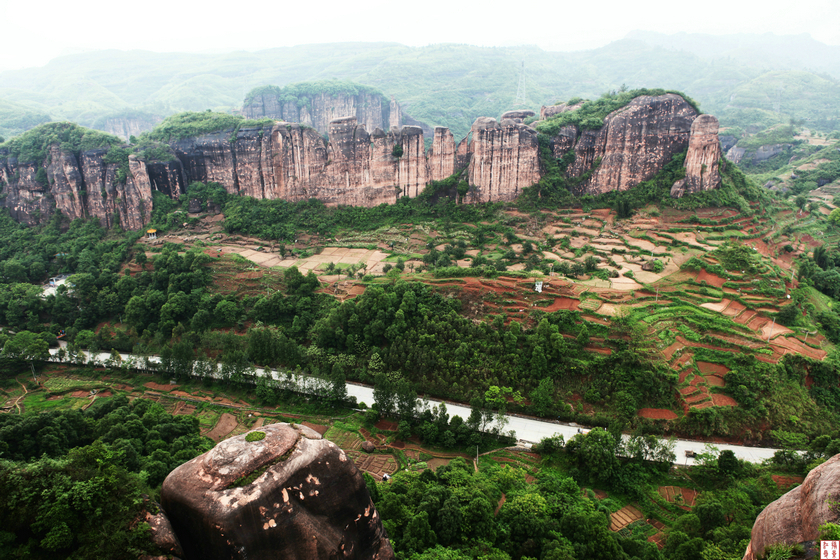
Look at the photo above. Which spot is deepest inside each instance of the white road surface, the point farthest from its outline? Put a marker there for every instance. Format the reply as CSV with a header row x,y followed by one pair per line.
x,y
527,430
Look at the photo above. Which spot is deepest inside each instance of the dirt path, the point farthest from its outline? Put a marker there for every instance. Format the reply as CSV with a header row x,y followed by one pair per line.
x,y
17,401
502,501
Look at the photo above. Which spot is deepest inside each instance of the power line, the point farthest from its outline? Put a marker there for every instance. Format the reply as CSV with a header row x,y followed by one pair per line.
x,y
520,91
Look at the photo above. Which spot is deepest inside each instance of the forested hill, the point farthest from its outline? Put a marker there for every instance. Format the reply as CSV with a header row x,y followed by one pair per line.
x,y
442,85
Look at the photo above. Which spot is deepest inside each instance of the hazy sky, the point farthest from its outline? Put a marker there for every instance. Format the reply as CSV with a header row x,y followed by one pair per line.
x,y
34,33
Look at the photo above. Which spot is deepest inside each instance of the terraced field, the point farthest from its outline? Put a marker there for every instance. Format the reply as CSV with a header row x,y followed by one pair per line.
x,y
662,268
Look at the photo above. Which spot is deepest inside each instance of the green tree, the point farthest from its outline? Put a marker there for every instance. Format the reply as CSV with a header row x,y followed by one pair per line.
x,y
419,534
728,463
27,346
542,397
596,453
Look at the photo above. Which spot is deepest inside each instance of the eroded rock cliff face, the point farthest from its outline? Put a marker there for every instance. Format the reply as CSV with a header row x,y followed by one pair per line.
x,y
504,160
318,111
79,187
356,167
126,127
308,500
796,517
702,160
636,141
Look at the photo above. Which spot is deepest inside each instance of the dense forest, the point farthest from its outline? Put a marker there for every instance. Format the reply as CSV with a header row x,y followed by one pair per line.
x,y
73,483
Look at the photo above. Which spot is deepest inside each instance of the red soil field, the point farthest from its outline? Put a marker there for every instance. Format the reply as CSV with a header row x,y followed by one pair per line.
x,y
710,368
733,309
794,346
810,240
711,279
723,400
745,317
669,352
317,427
683,374
562,303
698,397
757,322
386,425
658,413
786,481
224,426
684,359
708,346
159,386
189,396
715,381
705,404
688,390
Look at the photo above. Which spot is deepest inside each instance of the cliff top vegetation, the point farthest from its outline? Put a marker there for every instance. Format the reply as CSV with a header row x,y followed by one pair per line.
x,y
186,125
591,114
32,145
301,92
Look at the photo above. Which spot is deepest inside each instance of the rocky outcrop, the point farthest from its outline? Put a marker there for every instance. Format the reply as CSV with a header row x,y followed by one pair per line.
x,y
27,198
297,104
546,112
638,140
209,158
125,127
79,187
504,159
291,495
727,141
371,109
518,115
702,158
442,155
167,177
293,162
796,517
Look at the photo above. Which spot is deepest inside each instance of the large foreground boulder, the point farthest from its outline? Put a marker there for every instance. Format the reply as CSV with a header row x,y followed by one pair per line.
x,y
796,517
290,495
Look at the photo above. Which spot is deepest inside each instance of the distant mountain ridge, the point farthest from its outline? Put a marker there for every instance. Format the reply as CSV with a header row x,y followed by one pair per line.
x,y
446,84
789,52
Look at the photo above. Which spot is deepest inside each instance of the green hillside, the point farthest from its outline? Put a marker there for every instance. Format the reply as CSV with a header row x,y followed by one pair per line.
x,y
445,84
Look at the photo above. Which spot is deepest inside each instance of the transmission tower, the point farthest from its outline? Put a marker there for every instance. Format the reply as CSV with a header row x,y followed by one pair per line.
x,y
520,91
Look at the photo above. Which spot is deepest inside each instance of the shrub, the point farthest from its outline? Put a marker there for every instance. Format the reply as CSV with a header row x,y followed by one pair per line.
x,y
255,436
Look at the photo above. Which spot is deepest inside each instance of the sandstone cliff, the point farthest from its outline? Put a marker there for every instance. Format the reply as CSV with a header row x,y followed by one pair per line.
x,y
504,159
306,500
79,187
317,104
636,141
702,159
125,127
293,162
796,517
317,110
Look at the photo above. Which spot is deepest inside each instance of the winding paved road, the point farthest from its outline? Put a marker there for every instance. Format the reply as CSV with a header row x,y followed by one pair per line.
x,y
529,430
